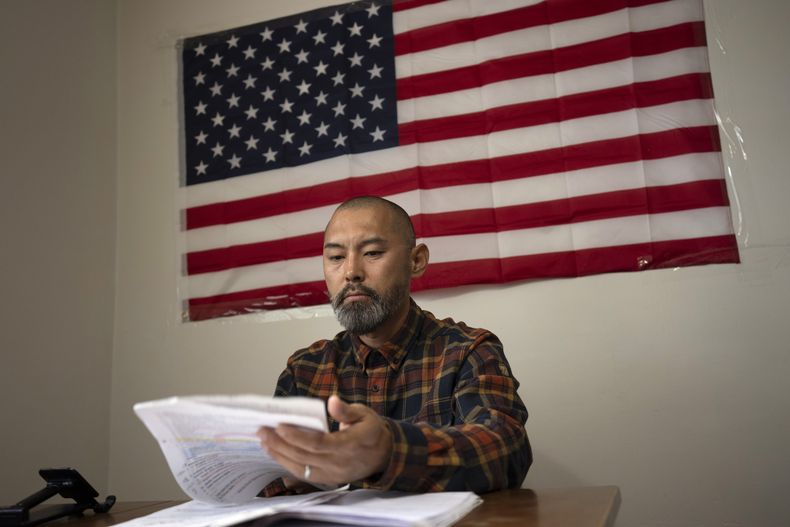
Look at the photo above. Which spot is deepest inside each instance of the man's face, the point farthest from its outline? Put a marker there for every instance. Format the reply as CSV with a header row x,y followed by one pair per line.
x,y
367,267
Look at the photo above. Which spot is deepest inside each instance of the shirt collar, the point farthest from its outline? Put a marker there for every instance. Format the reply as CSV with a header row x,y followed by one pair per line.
x,y
396,349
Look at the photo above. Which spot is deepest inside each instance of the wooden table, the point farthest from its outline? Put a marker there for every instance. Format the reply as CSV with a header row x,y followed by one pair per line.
x,y
571,507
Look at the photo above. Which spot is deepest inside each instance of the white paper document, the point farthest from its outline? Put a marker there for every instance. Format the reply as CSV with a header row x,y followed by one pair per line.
x,y
209,442
343,507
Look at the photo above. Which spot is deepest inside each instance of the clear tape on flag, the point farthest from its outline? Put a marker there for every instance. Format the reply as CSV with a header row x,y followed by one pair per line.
x,y
528,140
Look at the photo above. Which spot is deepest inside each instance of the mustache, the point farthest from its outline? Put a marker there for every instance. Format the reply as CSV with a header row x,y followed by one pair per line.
x,y
353,289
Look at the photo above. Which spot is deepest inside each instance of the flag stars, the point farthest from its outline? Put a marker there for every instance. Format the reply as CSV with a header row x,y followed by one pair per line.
x,y
216,60
374,41
340,140
233,71
357,122
252,143
266,34
234,131
288,137
201,138
235,161
320,68
251,112
216,89
233,101
270,155
304,150
249,82
200,78
200,50
377,134
338,79
320,98
200,109
339,109
356,91
285,46
267,64
268,94
233,41
376,103
322,129
268,124
337,48
337,18
304,87
217,150
301,57
285,75
319,37
249,53
304,117
286,106
301,27
218,119
200,169
355,60
355,30
375,71
373,10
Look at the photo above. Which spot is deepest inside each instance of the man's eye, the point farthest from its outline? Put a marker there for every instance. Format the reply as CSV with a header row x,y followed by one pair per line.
x,y
335,257
374,253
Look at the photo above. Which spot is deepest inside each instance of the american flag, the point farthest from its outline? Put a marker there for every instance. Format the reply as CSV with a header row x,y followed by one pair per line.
x,y
527,139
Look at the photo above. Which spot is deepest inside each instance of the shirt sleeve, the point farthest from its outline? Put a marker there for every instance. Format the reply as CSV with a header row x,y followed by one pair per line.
x,y
485,447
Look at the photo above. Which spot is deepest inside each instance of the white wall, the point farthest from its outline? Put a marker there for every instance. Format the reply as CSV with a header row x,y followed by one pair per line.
x,y
670,384
57,239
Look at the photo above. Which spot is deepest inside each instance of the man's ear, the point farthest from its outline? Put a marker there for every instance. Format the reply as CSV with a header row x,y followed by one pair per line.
x,y
419,260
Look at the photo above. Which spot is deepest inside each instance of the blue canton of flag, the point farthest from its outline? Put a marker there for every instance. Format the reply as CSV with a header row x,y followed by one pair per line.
x,y
289,91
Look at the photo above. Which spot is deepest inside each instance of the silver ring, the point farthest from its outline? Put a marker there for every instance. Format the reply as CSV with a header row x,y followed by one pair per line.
x,y
307,472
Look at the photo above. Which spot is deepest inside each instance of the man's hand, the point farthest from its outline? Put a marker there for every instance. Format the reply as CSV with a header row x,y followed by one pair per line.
x,y
361,448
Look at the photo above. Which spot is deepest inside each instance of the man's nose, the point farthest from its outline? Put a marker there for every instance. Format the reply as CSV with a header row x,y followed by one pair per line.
x,y
354,272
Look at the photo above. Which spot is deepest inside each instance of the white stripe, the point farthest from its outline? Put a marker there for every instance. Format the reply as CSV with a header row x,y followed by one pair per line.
x,y
681,225
543,38
543,87
517,141
451,10
597,180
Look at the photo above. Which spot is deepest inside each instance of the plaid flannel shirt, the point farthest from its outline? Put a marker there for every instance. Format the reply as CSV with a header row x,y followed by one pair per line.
x,y
446,392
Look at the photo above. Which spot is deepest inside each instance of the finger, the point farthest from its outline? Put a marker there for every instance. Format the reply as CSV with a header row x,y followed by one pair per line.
x,y
306,439
343,412
290,456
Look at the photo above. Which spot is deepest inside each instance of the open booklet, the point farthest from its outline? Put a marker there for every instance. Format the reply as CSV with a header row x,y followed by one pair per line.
x,y
212,449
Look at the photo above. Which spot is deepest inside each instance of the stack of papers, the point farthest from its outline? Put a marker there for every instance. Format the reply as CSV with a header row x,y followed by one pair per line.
x,y
343,507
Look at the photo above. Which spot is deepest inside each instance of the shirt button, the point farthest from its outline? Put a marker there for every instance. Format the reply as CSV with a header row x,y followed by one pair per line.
x,y
375,388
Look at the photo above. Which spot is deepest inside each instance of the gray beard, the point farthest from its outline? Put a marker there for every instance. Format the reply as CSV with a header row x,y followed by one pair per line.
x,y
363,317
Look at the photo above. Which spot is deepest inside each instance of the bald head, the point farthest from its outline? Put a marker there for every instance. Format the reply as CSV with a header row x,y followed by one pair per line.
x,y
400,220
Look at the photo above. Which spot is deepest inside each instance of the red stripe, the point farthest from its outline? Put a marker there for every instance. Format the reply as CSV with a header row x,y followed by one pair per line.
x,y
699,251
636,257
403,5
651,200
256,300
690,34
597,153
471,29
638,95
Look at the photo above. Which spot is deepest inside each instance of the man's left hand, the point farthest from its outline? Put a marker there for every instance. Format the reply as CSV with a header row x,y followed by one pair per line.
x,y
361,448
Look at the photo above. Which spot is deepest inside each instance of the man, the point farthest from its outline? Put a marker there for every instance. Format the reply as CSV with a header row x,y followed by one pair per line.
x,y
414,403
